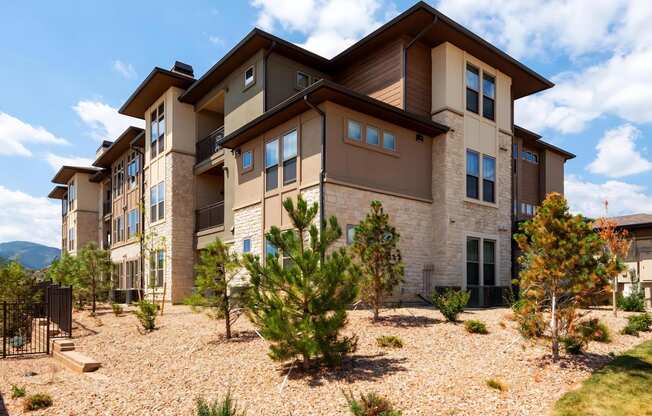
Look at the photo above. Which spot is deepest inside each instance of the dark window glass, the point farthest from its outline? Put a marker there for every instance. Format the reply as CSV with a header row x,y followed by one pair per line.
x,y
246,246
289,171
488,96
271,178
472,261
303,80
472,89
161,129
488,179
489,263
161,200
271,165
290,157
472,174
153,203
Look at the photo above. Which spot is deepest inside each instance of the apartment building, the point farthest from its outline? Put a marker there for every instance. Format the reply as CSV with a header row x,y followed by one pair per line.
x,y
418,115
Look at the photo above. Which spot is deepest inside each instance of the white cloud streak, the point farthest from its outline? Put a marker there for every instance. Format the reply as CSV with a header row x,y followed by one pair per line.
x,y
105,121
57,161
16,135
25,217
617,154
588,197
127,70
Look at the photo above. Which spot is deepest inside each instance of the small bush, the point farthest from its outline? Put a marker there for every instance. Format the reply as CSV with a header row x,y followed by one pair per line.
x,y
451,303
530,321
389,341
634,302
146,314
370,405
573,344
17,392
475,327
496,384
37,402
117,309
593,330
225,407
637,323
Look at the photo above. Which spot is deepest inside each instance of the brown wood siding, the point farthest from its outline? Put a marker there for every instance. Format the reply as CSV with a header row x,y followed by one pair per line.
x,y
379,74
418,79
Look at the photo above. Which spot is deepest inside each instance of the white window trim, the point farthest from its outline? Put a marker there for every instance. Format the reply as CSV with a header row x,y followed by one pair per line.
x,y
481,71
253,77
480,199
482,237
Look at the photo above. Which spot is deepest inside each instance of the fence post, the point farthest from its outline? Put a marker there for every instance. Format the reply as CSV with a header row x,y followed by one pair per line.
x,y
47,331
4,329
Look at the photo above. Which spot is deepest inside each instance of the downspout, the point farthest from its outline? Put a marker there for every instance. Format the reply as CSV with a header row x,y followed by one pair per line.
x,y
265,57
405,51
322,171
142,216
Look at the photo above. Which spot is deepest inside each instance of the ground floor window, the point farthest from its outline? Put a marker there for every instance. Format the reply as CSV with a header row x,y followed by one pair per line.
x,y
156,268
480,261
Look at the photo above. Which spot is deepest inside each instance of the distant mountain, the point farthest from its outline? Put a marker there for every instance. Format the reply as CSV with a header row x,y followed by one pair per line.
x,y
30,255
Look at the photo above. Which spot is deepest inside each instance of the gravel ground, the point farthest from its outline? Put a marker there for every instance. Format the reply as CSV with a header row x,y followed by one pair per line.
x,y
441,370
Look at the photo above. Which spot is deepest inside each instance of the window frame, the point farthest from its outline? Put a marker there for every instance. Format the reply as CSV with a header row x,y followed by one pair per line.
x,y
350,234
246,85
157,141
157,202
251,164
468,88
348,130
477,177
378,135
487,76
296,80
482,239
133,223
118,178
273,167
485,180
157,268
292,160
246,245
133,160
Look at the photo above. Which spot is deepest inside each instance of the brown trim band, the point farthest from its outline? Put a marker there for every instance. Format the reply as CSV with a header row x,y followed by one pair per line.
x,y
447,108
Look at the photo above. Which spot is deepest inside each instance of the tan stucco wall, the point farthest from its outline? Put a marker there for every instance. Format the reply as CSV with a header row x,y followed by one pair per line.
x,y
281,77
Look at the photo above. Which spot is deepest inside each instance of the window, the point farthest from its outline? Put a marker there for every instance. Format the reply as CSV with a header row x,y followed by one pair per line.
x,y
303,80
531,157
528,209
119,229
271,165
246,245
389,141
354,130
118,178
72,195
156,268
488,96
157,131
472,174
488,179
247,160
472,89
473,261
515,150
290,157
157,202
488,263
350,234
132,170
270,249
373,136
249,77
133,274
132,223
71,238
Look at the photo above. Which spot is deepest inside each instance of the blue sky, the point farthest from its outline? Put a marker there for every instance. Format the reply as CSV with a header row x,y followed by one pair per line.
x,y
68,66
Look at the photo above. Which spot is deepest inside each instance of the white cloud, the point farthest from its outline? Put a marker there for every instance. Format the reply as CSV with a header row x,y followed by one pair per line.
x,y
617,154
15,134
127,70
588,198
329,26
25,217
56,161
216,40
105,121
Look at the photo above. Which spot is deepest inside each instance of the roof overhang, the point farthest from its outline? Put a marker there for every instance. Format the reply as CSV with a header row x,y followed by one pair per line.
x,y
157,82
59,192
66,172
434,28
100,175
533,139
118,147
139,140
325,90
256,40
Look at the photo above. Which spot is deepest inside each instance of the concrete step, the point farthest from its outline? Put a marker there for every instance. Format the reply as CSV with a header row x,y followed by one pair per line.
x,y
62,345
76,361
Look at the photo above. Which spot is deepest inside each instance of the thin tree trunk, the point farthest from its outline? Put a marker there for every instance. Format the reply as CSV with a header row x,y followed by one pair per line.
x,y
93,286
227,315
615,295
554,330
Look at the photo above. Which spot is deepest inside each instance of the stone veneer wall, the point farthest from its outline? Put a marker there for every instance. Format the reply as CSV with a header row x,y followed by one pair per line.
x,y
248,223
412,219
454,218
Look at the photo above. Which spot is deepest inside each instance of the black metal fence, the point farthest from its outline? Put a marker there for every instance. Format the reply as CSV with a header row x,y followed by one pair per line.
x,y
208,146
209,216
27,326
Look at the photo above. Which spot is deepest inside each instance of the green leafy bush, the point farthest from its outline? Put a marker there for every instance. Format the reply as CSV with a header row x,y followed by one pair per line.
x,y
593,330
389,341
224,407
634,302
117,309
496,384
146,314
37,402
637,323
474,326
530,320
451,302
17,392
573,344
370,404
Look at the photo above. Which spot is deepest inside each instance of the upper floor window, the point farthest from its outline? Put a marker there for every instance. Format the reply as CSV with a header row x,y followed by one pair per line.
x,y
72,195
132,170
118,178
157,131
157,202
249,76
472,174
354,130
247,160
290,157
488,179
389,141
488,96
472,89
271,165
132,223
373,136
303,80
530,156
119,234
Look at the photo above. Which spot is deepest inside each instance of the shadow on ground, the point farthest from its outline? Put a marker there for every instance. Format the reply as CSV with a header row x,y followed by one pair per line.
x,y
407,321
3,408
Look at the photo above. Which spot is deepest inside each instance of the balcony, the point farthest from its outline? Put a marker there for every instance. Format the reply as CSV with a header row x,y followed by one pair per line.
x,y
209,216
208,146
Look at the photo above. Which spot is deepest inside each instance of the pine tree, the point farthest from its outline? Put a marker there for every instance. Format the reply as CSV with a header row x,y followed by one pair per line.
x,y
216,270
94,272
66,271
376,251
617,246
300,304
563,264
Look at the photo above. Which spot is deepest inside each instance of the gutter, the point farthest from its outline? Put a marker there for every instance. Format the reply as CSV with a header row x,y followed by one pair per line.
x,y
322,171
405,51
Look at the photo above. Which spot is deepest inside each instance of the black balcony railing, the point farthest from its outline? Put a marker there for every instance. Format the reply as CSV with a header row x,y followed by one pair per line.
x,y
106,208
208,146
209,216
